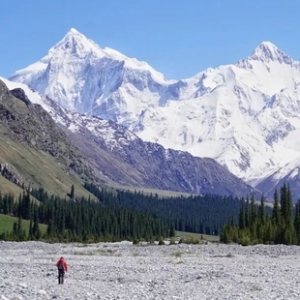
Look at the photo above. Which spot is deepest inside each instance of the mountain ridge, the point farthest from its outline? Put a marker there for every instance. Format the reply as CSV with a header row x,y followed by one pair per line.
x,y
34,152
120,158
244,115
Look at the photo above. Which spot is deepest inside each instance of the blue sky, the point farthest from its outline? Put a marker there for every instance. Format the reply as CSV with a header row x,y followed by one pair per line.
x,y
177,38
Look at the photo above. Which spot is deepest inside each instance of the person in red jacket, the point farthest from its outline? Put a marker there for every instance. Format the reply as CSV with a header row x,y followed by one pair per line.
x,y
62,268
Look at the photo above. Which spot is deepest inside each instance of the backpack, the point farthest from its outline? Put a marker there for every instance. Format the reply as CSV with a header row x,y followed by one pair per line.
x,y
61,266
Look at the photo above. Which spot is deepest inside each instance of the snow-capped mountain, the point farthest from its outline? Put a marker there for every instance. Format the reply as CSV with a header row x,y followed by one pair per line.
x,y
290,174
119,157
244,115
85,78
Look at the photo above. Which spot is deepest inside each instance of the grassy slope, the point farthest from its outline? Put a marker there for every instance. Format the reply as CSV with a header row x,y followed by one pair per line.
x,y
38,167
148,191
7,222
210,238
8,187
42,170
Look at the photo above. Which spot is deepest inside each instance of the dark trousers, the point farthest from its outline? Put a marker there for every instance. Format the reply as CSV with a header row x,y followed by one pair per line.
x,y
61,274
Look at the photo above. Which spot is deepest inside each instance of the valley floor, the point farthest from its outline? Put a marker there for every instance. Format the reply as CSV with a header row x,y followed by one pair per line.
x,y
125,271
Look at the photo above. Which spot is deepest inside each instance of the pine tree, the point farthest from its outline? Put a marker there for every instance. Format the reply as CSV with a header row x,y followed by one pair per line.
x,y
242,216
72,193
269,234
247,222
297,221
262,213
36,233
172,230
288,233
30,235
276,210
253,210
284,204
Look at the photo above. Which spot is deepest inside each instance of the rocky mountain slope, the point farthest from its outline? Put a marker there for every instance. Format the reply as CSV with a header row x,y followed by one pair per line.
x,y
244,115
127,160
120,158
34,150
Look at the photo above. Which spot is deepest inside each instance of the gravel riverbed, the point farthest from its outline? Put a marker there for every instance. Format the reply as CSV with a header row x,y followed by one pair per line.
x,y
127,271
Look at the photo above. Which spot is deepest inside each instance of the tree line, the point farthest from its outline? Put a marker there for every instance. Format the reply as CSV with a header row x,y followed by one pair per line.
x,y
119,215
199,214
262,224
83,220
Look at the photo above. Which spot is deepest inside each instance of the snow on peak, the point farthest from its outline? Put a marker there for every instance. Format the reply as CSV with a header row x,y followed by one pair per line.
x,y
223,113
73,31
79,45
76,44
267,52
72,45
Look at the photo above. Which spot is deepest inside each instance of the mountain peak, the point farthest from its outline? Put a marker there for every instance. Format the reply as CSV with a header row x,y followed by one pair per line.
x,y
75,43
73,31
267,52
266,47
267,44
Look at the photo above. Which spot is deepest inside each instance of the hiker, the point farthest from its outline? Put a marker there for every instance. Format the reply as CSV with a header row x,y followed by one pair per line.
x,y
62,268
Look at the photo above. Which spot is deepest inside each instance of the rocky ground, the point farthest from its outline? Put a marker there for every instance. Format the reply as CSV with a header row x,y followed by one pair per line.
x,y
126,271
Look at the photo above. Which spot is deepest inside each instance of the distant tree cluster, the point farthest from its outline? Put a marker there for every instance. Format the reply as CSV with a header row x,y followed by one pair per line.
x,y
120,215
84,220
258,224
25,209
199,214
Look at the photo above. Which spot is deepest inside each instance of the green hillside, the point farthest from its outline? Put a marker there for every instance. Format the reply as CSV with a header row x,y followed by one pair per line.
x,y
7,186
7,222
35,151
38,168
